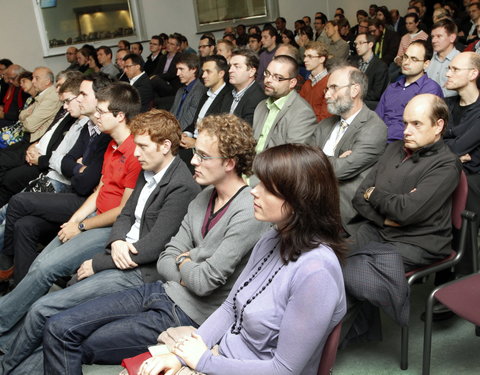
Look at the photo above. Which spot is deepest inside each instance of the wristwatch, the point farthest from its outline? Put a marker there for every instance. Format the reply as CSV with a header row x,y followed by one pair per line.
x,y
368,192
180,259
81,227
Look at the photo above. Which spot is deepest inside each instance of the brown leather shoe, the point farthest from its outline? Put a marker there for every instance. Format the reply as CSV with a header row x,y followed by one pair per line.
x,y
6,274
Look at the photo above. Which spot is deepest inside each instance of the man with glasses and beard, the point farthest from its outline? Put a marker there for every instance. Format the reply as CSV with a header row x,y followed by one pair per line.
x,y
353,138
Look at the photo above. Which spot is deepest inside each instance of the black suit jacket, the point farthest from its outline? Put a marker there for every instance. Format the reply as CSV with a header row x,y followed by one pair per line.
x,y
150,66
57,138
145,89
248,103
391,42
163,213
166,84
378,80
214,109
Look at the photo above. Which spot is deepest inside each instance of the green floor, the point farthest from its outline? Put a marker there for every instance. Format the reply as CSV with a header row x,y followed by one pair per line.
x,y
455,348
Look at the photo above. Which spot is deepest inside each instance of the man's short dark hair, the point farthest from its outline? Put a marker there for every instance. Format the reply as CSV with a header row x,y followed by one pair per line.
x,y
449,26
282,19
211,41
271,31
251,58
99,81
71,85
5,62
159,38
417,9
221,64
191,60
258,37
140,47
341,10
361,12
306,30
126,43
106,50
307,17
291,62
415,17
136,59
176,37
322,18
426,46
370,38
377,23
256,28
121,97
439,111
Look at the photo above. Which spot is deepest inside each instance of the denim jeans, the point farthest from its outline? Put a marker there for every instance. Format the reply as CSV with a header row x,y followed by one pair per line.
x,y
107,329
55,261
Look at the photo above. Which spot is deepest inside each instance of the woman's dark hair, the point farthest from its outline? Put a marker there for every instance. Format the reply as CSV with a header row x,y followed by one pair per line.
x,y
304,178
291,37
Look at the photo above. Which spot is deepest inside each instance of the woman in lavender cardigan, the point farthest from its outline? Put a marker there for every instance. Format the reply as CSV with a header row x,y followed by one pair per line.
x,y
291,294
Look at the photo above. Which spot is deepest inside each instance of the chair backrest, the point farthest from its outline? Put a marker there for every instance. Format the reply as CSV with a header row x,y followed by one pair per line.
x,y
459,200
329,353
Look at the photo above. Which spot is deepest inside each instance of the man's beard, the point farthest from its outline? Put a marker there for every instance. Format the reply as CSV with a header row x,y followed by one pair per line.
x,y
340,106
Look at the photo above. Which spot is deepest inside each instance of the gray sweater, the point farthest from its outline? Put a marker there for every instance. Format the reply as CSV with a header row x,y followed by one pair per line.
x,y
217,259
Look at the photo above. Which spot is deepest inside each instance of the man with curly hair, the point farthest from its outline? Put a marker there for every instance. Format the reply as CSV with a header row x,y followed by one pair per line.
x,y
197,268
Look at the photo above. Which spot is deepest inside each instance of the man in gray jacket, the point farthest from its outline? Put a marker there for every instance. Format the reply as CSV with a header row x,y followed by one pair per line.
x,y
198,266
284,117
354,138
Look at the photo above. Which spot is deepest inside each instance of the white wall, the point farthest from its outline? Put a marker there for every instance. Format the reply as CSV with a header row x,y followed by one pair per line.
x,y
20,42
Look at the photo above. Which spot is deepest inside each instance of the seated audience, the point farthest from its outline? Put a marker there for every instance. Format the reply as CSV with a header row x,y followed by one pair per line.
x,y
14,97
313,90
289,38
133,68
294,270
294,53
353,138
463,134
374,68
414,82
188,97
164,79
284,117
387,41
71,55
155,45
206,46
136,48
338,49
123,44
269,44
198,266
120,63
255,43
246,93
225,48
404,207
104,56
444,34
413,33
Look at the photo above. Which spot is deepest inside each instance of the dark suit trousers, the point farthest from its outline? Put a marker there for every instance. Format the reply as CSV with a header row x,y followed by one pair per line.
x,y
15,180
33,218
12,156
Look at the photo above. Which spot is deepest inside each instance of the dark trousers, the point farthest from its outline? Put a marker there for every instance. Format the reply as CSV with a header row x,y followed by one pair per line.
x,y
33,218
108,329
12,156
15,180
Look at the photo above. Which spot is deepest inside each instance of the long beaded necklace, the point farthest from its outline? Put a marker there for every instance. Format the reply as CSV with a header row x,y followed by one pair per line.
x,y
235,330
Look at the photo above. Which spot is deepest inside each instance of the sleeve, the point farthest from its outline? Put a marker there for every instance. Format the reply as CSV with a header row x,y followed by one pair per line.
x,y
464,141
380,82
380,110
43,112
432,190
69,161
369,144
308,306
301,128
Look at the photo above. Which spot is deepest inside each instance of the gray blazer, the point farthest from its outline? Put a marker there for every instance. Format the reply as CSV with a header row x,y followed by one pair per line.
x,y
161,218
366,137
190,105
295,123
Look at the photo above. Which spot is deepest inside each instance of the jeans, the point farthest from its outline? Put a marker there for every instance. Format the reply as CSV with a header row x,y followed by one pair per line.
x,y
107,329
55,261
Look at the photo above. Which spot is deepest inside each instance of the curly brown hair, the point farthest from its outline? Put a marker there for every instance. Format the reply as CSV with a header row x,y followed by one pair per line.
x,y
159,125
235,140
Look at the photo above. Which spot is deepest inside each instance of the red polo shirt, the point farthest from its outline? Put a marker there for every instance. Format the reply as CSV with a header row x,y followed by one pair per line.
x,y
119,171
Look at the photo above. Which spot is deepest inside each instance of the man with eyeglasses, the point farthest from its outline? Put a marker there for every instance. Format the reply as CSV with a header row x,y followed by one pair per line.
x,y
82,235
315,58
206,46
164,79
284,117
71,55
155,45
353,138
197,268
443,34
133,69
463,133
393,101
387,41
374,68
